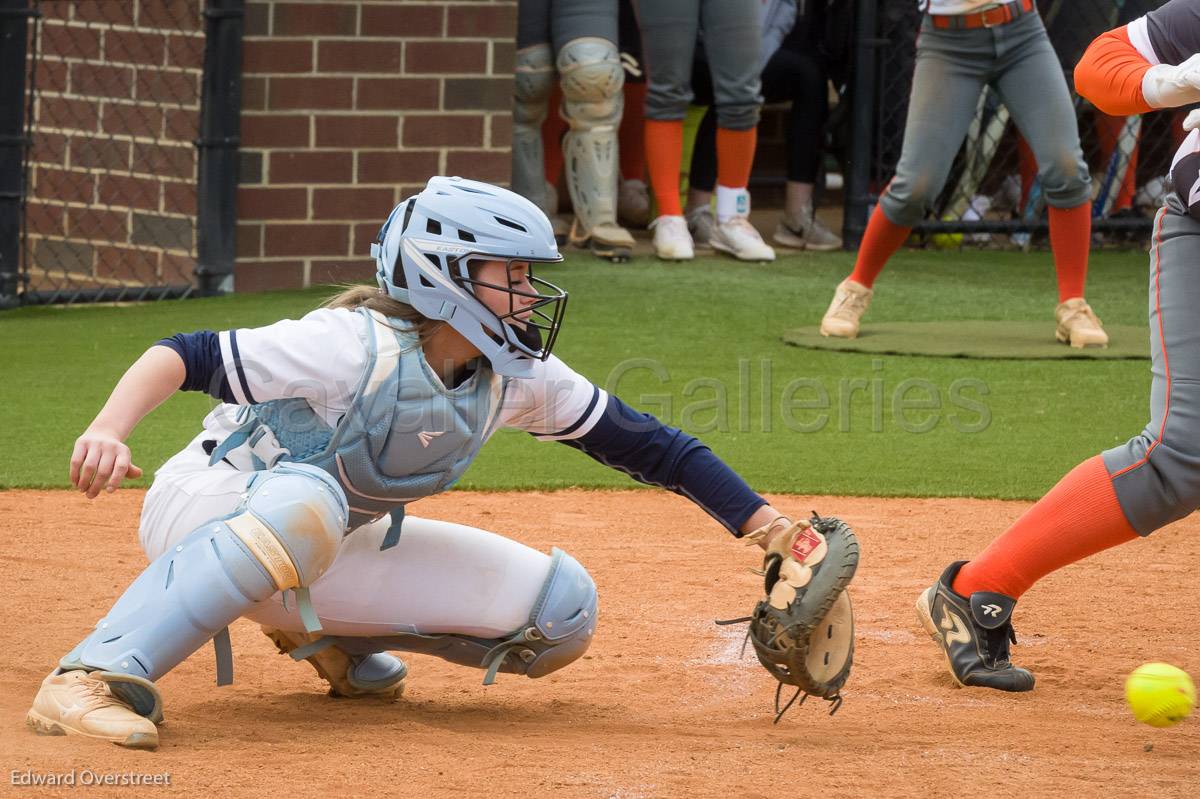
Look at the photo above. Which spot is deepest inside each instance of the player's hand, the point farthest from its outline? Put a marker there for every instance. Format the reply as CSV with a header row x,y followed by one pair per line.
x,y
99,462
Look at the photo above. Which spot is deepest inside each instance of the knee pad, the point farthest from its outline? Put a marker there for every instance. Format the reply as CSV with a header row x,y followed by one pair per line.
x,y
283,536
563,618
562,622
592,77
533,80
292,520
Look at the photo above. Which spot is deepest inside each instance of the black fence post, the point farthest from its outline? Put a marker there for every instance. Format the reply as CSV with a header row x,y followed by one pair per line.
x,y
220,131
14,33
862,124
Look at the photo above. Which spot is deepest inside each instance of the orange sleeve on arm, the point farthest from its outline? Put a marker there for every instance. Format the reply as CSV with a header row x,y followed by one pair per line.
x,y
1110,74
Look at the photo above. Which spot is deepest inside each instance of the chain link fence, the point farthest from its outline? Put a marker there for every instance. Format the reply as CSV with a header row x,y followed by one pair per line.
x,y
992,197
114,110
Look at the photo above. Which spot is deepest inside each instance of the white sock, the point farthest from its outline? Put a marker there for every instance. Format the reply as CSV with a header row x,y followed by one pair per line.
x,y
731,203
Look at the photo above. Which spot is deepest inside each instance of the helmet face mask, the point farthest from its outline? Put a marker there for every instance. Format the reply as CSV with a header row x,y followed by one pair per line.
x,y
431,244
536,333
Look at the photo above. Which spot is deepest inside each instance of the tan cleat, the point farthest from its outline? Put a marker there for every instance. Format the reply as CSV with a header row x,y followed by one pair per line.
x,y
850,302
1078,324
82,703
379,674
607,240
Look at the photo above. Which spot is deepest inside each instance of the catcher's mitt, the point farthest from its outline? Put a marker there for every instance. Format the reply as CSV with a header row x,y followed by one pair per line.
x,y
803,631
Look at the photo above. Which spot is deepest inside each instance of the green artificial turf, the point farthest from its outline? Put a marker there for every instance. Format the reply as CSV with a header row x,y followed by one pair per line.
x,y
701,346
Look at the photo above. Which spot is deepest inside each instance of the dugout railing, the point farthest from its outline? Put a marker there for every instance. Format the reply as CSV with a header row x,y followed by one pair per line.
x,y
992,197
118,148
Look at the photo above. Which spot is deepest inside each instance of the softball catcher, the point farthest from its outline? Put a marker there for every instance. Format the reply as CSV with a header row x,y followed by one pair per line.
x,y
575,41
1152,479
963,46
288,507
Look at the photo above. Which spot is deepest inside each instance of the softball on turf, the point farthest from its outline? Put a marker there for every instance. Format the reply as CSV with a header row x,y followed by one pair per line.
x,y
1160,694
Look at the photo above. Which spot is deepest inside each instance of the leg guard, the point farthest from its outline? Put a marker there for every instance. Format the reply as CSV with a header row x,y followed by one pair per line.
x,y
534,79
561,624
592,79
283,536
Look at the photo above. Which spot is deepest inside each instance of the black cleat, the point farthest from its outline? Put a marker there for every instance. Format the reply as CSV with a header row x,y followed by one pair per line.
x,y
973,634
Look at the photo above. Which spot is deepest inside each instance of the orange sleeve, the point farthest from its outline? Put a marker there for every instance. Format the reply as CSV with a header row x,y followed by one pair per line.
x,y
1110,74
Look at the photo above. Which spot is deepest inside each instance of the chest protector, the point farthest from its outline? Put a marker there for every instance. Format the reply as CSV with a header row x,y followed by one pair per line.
x,y
404,436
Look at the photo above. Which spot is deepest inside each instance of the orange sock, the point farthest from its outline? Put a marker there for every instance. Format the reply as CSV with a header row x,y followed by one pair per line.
x,y
881,239
1070,238
735,156
1078,517
664,153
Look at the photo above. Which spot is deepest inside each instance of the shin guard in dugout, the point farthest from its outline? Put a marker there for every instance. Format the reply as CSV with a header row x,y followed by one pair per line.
x,y
533,81
284,535
592,79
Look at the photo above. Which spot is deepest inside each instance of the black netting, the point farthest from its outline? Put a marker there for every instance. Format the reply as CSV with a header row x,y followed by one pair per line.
x,y
114,111
992,195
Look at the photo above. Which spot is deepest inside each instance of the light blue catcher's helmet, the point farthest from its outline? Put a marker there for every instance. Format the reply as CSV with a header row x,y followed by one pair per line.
x,y
425,250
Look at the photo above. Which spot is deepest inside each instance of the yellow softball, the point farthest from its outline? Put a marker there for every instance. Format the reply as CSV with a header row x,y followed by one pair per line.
x,y
1160,694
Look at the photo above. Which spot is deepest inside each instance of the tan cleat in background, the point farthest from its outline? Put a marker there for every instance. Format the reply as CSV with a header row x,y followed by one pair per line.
x,y
1078,324
82,703
850,302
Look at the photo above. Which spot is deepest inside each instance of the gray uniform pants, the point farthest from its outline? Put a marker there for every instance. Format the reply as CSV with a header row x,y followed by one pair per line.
x,y
733,43
1156,474
556,22
953,66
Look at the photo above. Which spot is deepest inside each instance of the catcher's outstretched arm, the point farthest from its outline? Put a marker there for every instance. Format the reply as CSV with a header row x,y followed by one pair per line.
x,y
651,452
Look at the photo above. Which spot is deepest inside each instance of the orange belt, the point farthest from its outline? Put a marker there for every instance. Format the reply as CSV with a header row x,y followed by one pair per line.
x,y
993,17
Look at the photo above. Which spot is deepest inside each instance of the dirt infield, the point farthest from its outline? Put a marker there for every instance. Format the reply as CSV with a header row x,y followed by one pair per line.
x,y
661,705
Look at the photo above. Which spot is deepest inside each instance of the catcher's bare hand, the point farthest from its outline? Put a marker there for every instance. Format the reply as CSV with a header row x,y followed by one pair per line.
x,y
99,462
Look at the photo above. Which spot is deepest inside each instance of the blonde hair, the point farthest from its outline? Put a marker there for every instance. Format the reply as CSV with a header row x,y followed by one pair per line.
x,y
375,299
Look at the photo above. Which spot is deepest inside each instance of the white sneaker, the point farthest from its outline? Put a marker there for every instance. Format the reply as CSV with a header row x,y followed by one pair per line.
x,y
740,239
850,302
672,242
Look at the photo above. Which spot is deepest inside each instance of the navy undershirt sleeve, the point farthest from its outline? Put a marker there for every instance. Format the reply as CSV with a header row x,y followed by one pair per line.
x,y
653,453
201,354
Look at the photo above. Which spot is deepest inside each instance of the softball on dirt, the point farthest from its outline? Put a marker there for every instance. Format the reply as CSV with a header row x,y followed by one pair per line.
x,y
1160,694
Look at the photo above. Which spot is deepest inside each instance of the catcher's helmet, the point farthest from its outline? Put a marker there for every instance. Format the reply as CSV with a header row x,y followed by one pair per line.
x,y
426,247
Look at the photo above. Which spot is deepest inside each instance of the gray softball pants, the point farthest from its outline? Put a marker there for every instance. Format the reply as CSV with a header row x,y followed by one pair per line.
x,y
1156,474
953,66
733,43
556,22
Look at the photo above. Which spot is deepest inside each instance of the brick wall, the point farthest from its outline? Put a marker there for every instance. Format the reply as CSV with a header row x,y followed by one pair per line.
x,y
113,169
349,106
